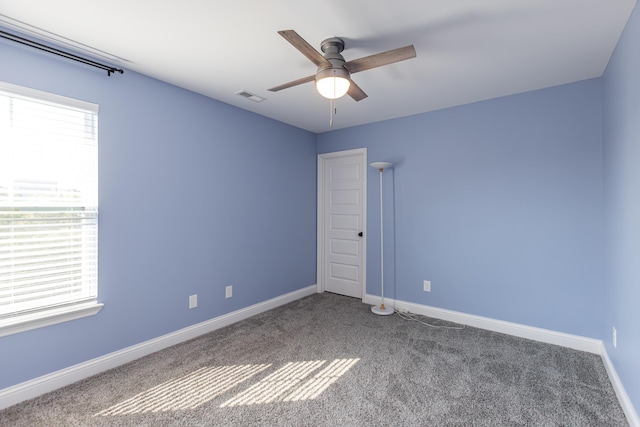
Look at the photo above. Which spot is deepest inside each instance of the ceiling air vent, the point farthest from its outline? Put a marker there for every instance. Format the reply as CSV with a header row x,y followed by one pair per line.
x,y
251,96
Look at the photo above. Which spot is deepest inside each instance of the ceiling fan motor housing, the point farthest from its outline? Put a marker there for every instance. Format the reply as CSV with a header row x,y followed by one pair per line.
x,y
331,48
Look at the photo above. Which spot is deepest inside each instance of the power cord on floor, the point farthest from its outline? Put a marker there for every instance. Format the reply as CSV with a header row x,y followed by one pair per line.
x,y
416,318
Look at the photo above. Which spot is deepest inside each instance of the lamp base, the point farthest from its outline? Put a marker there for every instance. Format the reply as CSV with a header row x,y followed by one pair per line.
x,y
381,310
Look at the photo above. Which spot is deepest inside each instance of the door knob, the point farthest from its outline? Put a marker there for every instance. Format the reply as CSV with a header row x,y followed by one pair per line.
x,y
360,234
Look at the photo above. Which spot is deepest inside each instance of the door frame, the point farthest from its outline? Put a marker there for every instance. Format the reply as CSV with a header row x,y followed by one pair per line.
x,y
320,210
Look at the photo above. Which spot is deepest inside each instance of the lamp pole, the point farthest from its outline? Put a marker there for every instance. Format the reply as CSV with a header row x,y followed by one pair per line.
x,y
381,309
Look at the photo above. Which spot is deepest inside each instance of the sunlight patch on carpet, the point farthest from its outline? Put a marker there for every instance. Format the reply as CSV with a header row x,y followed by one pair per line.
x,y
186,392
286,384
295,381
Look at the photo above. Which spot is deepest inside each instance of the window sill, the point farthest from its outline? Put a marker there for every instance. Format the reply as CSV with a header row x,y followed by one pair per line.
x,y
52,317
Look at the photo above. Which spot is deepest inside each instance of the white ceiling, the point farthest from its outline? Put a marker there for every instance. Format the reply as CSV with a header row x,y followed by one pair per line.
x,y
467,50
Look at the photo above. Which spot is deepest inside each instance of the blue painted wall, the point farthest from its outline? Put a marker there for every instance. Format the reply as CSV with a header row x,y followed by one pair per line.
x,y
190,202
498,203
622,191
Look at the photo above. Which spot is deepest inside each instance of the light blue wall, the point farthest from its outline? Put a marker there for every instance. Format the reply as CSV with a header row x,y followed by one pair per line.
x,y
498,203
622,190
195,195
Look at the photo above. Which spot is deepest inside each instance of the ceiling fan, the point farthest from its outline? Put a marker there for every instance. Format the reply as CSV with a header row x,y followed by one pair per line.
x,y
333,76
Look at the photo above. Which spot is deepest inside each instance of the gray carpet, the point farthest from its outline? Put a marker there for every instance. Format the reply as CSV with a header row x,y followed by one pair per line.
x,y
326,360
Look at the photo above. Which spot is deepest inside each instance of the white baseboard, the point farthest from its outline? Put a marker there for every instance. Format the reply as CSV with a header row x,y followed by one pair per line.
x,y
38,386
621,393
537,334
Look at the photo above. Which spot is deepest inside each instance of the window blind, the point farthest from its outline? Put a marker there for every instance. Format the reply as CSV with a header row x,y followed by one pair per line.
x,y
48,202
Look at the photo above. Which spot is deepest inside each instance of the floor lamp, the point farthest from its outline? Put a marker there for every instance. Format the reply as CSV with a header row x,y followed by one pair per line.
x,y
381,309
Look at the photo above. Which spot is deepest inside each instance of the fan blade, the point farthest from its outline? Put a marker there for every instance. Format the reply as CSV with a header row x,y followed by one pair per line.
x,y
355,92
379,59
293,83
305,48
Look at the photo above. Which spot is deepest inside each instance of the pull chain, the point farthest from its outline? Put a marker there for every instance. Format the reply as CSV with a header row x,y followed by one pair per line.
x,y
332,111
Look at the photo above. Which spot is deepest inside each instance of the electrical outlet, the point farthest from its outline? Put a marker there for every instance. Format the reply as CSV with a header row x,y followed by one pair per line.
x,y
193,301
229,292
426,286
614,338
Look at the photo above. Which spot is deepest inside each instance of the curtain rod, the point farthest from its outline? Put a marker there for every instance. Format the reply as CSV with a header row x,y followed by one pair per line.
x,y
59,52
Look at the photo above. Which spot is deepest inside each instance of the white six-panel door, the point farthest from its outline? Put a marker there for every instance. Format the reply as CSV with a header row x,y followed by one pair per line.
x,y
341,222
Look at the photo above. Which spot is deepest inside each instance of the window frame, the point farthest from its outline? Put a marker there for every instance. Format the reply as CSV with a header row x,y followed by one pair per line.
x,y
63,313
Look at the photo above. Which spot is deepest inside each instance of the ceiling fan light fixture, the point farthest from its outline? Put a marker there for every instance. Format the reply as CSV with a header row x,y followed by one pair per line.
x,y
333,83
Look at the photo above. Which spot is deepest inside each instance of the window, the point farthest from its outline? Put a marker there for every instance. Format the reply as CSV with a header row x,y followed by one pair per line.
x,y
48,209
